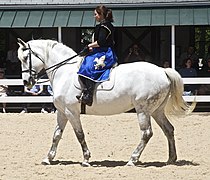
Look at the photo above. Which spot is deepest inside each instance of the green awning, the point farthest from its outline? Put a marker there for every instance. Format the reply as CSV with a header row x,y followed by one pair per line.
x,y
163,17
33,19
123,17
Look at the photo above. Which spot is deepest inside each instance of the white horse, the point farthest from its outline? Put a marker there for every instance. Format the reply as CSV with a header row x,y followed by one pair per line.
x,y
151,90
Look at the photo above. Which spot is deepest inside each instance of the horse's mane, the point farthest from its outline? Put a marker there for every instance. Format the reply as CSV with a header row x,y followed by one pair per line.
x,y
61,48
48,43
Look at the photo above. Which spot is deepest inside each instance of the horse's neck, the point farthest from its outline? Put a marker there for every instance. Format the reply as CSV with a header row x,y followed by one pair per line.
x,y
65,71
58,54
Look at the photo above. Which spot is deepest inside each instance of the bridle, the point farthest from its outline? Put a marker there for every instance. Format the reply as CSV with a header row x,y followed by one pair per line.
x,y
33,75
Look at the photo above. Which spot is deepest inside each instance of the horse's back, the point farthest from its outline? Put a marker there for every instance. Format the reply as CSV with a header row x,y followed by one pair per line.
x,y
143,67
145,74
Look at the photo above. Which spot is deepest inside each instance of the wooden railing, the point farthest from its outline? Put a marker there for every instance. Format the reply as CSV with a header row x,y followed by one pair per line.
x,y
23,99
49,99
197,98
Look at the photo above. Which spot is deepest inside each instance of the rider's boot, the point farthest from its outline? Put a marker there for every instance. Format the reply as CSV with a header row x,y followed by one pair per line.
x,y
87,97
83,81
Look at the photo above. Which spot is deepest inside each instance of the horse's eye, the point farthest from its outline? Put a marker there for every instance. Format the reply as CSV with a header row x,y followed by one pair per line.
x,y
24,49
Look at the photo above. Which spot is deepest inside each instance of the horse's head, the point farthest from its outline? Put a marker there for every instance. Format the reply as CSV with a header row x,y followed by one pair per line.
x,y
32,62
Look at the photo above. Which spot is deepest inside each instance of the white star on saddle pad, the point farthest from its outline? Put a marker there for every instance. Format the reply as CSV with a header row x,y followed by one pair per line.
x,y
100,62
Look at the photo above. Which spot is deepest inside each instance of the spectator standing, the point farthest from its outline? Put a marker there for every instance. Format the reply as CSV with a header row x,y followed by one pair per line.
x,y
189,54
135,54
188,71
165,64
3,90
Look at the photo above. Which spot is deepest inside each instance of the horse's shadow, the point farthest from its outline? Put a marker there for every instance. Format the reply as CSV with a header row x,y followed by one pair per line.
x,y
162,164
107,163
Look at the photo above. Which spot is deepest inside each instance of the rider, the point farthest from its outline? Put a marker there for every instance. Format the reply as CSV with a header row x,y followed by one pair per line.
x,y
101,57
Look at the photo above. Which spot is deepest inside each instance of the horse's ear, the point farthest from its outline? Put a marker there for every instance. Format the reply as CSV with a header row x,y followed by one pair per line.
x,y
21,43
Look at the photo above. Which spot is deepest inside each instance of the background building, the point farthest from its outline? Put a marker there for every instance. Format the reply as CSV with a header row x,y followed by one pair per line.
x,y
163,29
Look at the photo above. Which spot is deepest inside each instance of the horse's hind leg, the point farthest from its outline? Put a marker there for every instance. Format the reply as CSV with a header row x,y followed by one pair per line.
x,y
61,124
146,131
168,130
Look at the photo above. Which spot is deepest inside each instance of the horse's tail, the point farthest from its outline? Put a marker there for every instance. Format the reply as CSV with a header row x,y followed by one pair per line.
x,y
176,104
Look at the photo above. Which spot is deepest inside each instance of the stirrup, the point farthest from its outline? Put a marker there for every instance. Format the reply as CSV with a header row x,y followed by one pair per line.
x,y
79,97
81,100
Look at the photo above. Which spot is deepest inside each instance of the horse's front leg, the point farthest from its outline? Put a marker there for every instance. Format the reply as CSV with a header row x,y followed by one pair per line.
x,y
61,124
146,131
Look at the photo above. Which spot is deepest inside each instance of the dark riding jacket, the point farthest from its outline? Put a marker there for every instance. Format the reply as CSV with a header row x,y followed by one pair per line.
x,y
104,34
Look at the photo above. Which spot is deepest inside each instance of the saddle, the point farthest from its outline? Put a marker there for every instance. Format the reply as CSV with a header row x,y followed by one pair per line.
x,y
100,86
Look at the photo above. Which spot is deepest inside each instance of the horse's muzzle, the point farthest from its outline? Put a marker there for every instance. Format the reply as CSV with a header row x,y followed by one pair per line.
x,y
25,83
29,83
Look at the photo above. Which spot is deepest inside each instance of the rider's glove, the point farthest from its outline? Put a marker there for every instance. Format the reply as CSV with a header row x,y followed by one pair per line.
x,y
85,51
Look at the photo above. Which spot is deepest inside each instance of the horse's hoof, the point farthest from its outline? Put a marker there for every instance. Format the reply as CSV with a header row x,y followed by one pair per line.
x,y
85,164
172,160
45,161
130,163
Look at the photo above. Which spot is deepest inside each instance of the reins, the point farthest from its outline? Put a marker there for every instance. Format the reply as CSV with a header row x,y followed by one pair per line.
x,y
56,66
52,68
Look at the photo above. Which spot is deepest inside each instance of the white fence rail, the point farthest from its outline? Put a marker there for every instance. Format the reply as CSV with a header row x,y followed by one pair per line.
x,y
24,99
16,82
46,99
198,98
